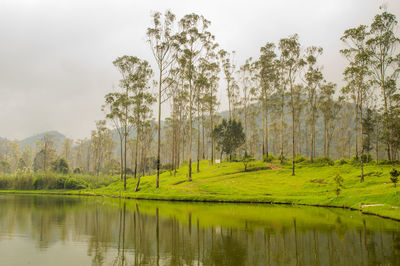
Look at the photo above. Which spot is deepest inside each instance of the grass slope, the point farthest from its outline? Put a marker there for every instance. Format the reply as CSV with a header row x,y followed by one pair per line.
x,y
227,182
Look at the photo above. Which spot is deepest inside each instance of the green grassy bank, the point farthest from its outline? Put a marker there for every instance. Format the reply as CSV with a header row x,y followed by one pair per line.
x,y
228,182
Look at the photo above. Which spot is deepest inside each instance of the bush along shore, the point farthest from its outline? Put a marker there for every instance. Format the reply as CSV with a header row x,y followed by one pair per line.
x,y
322,183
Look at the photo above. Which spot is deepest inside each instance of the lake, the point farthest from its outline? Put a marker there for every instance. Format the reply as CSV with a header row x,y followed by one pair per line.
x,y
68,230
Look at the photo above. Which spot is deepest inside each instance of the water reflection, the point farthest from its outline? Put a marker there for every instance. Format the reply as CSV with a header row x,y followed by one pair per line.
x,y
100,231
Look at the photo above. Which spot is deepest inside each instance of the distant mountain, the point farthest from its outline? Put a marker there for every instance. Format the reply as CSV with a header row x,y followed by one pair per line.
x,y
58,138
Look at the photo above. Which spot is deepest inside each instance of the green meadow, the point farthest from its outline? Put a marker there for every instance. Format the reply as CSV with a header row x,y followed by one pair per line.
x,y
313,184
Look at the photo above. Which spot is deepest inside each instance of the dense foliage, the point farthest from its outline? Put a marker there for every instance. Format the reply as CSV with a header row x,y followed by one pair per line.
x,y
229,136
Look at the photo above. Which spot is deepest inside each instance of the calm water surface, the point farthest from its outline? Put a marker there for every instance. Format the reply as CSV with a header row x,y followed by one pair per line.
x,y
60,230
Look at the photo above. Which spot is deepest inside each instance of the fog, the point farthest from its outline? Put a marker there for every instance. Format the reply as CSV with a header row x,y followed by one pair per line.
x,y
56,56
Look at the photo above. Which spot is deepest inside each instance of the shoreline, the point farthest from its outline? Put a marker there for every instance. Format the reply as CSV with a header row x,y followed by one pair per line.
x,y
181,198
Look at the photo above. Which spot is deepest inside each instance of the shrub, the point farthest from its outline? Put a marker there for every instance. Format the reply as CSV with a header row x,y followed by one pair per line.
x,y
167,166
77,170
38,183
324,161
268,158
5,181
341,162
60,166
44,181
98,181
301,159
279,157
355,160
247,158
129,171
394,176
339,184
23,181
384,162
235,158
367,158
60,182
73,183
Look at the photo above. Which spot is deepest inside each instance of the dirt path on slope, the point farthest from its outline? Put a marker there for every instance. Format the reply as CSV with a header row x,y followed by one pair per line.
x,y
274,166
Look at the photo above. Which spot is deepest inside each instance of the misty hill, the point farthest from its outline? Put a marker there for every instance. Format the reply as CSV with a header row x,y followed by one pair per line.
x,y
58,138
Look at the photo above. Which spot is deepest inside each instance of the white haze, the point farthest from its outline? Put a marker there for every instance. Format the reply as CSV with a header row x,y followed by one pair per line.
x,y
56,56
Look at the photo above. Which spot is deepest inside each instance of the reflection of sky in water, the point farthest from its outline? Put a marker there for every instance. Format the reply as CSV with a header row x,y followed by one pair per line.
x,y
52,230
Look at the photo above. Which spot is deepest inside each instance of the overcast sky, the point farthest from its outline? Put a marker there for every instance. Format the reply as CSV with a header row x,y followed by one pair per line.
x,y
56,55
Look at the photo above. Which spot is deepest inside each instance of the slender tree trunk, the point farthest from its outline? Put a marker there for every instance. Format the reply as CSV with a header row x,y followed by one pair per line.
x,y
328,146
386,114
377,145
263,139
143,159
325,136
173,142
312,135
198,130
183,141
362,138
357,121
282,109
178,140
136,150
122,158
190,130
159,129
293,132
137,184
306,149
229,101
299,136
212,128
202,128
142,144
245,127
349,143
125,157
266,125
175,148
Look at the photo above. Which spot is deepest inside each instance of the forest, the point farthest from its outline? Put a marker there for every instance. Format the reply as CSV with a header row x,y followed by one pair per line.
x,y
281,109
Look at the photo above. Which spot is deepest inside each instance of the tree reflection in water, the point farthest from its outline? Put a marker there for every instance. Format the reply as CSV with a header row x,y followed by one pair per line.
x,y
126,232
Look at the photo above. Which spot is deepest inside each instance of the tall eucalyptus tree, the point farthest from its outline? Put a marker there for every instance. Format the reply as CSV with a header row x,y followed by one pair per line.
x,y
313,78
193,39
383,46
246,81
207,73
357,73
116,108
100,140
229,69
268,75
330,110
142,99
126,108
163,45
210,100
291,63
